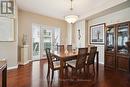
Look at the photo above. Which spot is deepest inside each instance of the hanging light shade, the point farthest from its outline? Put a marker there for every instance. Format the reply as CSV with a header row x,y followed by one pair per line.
x,y
71,18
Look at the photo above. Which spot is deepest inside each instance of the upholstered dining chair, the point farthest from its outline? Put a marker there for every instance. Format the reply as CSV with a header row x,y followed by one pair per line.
x,y
60,48
79,63
91,58
69,48
53,65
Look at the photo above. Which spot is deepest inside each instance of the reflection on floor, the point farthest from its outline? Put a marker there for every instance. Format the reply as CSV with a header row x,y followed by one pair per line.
x,y
34,75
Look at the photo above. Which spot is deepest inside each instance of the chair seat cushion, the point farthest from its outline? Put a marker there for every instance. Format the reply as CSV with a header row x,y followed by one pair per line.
x,y
56,64
72,63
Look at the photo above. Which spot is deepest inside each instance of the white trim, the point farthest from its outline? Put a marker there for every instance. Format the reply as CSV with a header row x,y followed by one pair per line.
x,y
21,63
30,60
38,59
13,67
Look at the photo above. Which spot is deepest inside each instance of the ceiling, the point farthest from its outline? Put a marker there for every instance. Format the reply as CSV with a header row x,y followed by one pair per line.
x,y
60,8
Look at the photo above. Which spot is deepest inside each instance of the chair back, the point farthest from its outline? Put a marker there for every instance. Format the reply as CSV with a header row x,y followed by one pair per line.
x,y
81,58
69,48
92,54
60,48
49,57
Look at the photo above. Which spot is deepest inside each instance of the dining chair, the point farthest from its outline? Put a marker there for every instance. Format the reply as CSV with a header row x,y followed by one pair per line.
x,y
53,65
69,48
91,59
79,63
60,48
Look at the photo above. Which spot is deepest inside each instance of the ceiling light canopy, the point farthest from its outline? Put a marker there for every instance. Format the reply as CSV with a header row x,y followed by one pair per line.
x,y
71,18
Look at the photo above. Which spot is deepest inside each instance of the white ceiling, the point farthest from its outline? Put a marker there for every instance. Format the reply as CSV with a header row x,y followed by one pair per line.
x,y
60,8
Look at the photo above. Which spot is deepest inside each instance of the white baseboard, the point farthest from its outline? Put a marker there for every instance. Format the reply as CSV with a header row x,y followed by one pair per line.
x,y
38,59
13,67
21,63
30,60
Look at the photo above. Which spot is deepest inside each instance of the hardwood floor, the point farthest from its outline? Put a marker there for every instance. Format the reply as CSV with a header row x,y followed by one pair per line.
x,y
34,75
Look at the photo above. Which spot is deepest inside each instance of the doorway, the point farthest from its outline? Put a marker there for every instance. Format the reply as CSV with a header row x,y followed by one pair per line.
x,y
44,37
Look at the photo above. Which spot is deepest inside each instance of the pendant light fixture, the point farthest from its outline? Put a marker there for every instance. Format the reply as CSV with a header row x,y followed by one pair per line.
x,y
71,18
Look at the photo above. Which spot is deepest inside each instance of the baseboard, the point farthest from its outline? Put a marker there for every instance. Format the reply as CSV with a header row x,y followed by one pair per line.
x,y
39,59
30,60
20,63
13,67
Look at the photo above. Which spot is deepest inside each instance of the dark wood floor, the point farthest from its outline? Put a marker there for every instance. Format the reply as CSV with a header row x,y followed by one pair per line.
x,y
34,75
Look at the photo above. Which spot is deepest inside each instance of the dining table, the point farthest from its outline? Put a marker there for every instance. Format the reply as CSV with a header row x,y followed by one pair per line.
x,y
64,56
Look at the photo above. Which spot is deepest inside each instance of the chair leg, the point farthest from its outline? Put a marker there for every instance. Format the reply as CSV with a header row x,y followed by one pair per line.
x,y
75,74
48,72
80,71
52,76
84,69
87,71
94,70
72,72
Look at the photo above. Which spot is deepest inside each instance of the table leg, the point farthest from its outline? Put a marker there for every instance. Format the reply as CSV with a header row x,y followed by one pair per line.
x,y
4,77
61,72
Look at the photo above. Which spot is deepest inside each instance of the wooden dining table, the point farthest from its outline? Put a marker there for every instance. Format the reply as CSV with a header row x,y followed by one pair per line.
x,y
65,56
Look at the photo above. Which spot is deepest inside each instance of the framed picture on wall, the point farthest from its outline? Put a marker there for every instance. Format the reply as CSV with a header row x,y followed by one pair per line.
x,y
97,34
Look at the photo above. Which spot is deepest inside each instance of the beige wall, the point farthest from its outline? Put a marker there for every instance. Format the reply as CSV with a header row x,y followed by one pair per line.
x,y
9,50
116,17
82,25
26,19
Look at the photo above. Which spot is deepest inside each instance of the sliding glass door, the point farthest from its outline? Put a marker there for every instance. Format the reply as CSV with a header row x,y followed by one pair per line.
x,y
46,40
44,37
50,37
